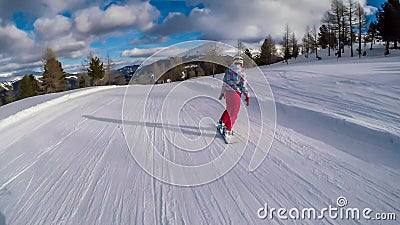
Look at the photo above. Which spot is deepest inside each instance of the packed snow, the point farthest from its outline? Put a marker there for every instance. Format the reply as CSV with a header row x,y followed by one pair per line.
x,y
64,158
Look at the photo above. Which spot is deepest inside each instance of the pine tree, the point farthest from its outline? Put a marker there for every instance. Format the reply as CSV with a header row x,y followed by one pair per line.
x,y
10,96
53,76
28,87
323,37
389,23
96,69
268,51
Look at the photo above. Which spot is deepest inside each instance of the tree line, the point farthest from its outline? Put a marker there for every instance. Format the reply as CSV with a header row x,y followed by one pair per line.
x,y
54,78
344,24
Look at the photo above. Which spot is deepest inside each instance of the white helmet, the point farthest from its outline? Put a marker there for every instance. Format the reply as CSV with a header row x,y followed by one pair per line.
x,y
238,60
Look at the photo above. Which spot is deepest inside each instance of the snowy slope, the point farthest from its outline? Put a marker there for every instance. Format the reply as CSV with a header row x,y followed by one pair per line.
x,y
65,160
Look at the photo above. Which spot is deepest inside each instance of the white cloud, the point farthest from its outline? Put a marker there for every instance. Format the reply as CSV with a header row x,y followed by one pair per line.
x,y
95,20
247,20
49,28
19,51
57,6
149,39
138,52
14,40
160,52
10,69
40,8
370,10
22,66
69,37
69,46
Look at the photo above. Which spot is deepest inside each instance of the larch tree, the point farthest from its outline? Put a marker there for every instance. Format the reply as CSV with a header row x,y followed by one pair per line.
x,y
295,46
286,43
372,33
362,23
337,12
351,10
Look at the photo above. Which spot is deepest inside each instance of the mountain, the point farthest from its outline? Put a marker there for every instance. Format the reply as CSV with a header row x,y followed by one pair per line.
x,y
128,71
219,49
72,79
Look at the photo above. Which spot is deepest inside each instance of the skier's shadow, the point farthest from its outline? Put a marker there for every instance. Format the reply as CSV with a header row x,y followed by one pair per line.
x,y
188,130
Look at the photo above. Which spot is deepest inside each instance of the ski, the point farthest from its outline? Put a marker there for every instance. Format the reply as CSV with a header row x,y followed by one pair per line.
x,y
221,132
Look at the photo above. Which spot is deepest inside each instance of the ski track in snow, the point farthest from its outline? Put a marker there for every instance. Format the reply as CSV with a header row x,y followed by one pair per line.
x,y
337,135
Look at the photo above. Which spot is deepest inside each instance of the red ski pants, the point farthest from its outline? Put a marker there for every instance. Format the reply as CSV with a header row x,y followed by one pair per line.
x,y
232,108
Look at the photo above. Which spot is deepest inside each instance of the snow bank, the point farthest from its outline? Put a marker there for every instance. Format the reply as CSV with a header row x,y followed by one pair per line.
x,y
35,105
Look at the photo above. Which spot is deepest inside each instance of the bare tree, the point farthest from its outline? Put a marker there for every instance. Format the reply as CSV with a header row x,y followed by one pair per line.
x,y
307,42
362,22
315,41
109,66
295,46
351,11
329,20
337,11
286,43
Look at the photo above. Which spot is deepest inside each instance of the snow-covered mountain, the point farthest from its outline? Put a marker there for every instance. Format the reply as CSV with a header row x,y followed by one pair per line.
x,y
207,48
64,158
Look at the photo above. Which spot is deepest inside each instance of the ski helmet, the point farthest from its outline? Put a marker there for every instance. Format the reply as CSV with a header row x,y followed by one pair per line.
x,y
238,60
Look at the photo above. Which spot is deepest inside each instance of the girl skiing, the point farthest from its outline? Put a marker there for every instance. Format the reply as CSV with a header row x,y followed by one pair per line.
x,y
234,86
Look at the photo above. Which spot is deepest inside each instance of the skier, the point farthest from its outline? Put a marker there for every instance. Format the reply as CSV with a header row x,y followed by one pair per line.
x,y
153,79
234,86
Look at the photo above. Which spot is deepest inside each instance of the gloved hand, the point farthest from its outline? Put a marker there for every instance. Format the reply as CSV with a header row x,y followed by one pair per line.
x,y
221,96
247,101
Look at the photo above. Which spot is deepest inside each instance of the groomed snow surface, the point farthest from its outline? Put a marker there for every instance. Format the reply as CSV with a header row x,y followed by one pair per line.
x,y
64,158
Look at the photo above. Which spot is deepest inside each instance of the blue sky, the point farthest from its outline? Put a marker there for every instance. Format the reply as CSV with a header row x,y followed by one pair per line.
x,y
131,30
